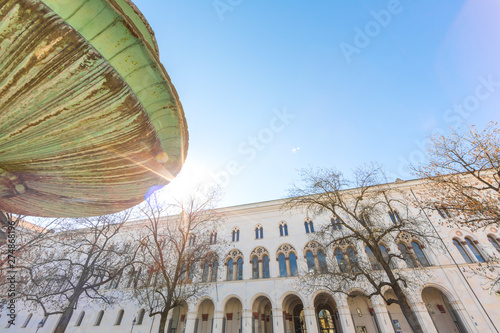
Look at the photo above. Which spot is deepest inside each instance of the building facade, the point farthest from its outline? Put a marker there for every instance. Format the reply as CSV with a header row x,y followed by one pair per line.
x,y
257,284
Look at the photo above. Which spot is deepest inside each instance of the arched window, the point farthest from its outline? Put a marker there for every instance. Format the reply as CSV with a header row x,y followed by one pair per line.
x,y
336,224
27,321
474,249
255,268
422,259
323,269
353,259
462,251
282,263
119,318
137,277
306,225
239,269
204,276
140,317
283,229
259,232
385,255
192,240
236,235
340,260
373,260
230,265
406,255
443,212
213,237
265,267
292,259
183,272
99,318
494,242
214,270
394,217
311,226
311,267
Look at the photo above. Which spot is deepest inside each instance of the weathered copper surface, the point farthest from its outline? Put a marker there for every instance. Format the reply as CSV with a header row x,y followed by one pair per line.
x,y
89,120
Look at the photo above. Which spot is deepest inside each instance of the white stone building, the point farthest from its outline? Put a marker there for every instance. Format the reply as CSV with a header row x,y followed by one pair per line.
x,y
257,289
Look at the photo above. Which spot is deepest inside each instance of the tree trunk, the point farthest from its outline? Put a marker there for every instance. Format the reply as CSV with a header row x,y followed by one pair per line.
x,y
407,311
163,321
64,320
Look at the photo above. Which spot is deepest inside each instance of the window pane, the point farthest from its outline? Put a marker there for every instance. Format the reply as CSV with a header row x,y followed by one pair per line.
x,y
239,269
474,250
340,260
256,233
353,259
311,226
214,271
420,254
230,265
406,255
385,254
282,262
307,227
261,232
234,235
281,230
494,243
310,262
462,251
372,258
322,262
237,235
265,267
286,230
204,277
255,268
292,258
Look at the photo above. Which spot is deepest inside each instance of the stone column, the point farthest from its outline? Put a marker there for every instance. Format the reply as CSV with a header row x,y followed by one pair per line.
x,y
383,319
346,319
247,318
311,322
218,319
423,317
278,321
191,319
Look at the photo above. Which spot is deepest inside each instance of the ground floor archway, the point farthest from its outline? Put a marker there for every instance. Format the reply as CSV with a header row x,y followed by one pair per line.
x,y
362,313
326,312
293,315
205,317
232,322
443,314
397,317
262,315
177,322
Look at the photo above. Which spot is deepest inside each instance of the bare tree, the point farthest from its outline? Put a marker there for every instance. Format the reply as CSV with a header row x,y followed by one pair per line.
x,y
177,238
366,216
463,173
76,260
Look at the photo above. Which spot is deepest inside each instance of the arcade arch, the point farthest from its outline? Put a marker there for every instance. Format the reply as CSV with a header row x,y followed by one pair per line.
x,y
444,314
262,316
326,312
233,310
205,317
293,314
361,309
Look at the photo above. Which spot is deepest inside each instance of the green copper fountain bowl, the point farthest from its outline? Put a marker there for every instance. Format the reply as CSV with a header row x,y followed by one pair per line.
x,y
89,120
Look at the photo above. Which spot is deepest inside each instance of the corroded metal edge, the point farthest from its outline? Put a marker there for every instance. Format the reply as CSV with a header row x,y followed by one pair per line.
x,y
165,111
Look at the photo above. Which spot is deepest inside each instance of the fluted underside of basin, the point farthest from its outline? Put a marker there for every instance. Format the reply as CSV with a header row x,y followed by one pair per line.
x,y
74,138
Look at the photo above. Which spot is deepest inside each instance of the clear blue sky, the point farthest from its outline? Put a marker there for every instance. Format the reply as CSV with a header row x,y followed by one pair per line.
x,y
351,81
